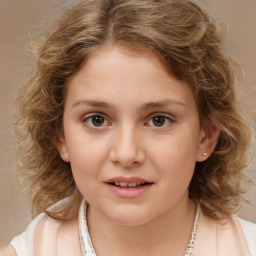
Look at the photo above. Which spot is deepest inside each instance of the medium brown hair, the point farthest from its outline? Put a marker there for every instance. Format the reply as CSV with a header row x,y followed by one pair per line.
x,y
189,44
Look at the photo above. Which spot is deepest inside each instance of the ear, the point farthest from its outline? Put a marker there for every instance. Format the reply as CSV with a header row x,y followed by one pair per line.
x,y
61,145
208,139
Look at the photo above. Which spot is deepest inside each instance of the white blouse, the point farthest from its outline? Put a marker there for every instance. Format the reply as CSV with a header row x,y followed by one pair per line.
x,y
24,243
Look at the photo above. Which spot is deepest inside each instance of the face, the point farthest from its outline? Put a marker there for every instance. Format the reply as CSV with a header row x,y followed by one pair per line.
x,y
131,134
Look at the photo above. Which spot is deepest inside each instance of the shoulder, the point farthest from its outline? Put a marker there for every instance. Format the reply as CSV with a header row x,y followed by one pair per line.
x,y
46,236
54,237
8,251
249,230
248,227
42,228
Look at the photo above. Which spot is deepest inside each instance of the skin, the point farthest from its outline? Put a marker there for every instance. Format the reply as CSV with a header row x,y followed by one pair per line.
x,y
8,251
147,127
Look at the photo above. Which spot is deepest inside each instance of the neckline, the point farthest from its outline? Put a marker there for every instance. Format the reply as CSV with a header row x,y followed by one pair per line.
x,y
84,236
85,239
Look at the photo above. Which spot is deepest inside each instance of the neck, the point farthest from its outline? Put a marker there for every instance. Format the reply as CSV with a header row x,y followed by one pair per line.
x,y
167,234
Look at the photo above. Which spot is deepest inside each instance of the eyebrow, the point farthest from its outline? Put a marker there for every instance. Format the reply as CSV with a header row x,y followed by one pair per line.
x,y
144,107
162,103
93,103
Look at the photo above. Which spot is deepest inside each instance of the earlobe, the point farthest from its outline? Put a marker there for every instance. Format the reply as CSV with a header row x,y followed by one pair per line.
x,y
62,148
207,142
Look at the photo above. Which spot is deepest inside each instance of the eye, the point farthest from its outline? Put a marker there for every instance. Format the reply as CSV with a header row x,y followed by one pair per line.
x,y
96,120
159,121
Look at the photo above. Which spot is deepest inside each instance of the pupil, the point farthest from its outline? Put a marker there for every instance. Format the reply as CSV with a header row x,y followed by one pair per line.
x,y
158,120
98,120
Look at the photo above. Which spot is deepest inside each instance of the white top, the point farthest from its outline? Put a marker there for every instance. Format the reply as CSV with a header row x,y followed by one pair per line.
x,y
250,234
24,244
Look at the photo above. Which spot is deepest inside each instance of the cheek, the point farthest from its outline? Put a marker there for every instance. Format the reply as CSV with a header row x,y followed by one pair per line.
x,y
175,159
175,170
86,165
86,157
179,151
82,146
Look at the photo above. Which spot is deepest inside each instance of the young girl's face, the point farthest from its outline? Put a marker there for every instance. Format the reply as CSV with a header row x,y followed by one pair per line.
x,y
132,136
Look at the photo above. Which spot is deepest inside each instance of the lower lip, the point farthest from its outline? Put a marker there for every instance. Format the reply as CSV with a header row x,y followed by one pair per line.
x,y
128,192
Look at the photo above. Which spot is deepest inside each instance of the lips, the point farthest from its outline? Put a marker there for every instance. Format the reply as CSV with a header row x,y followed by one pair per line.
x,y
128,181
128,187
128,184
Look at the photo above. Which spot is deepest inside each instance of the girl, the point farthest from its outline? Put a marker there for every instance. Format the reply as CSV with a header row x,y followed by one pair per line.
x,y
130,136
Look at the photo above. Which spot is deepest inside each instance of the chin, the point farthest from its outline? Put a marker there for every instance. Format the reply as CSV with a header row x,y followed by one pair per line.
x,y
129,221
129,217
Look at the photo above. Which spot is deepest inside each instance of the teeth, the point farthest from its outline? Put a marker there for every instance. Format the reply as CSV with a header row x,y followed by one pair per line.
x,y
133,184
123,184
128,184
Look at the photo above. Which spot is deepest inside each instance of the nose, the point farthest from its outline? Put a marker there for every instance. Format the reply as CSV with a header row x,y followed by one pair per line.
x,y
127,150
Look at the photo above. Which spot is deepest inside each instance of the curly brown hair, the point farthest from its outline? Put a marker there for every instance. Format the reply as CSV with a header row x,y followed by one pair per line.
x,y
187,41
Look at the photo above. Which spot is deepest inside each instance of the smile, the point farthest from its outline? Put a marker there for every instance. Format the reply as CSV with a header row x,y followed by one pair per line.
x,y
128,184
128,187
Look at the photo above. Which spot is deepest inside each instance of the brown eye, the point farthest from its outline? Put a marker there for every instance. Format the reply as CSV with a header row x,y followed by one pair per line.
x,y
158,120
96,121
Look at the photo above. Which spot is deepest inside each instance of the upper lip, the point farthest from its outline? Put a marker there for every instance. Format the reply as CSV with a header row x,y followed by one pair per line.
x,y
127,179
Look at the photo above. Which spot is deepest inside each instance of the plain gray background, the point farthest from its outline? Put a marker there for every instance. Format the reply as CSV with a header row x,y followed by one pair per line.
x,y
21,20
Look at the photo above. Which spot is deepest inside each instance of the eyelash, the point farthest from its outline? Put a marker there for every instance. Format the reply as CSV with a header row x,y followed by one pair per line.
x,y
93,115
89,120
167,118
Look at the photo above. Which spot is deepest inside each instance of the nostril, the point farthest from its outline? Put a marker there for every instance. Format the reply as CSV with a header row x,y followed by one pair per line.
x,y
127,156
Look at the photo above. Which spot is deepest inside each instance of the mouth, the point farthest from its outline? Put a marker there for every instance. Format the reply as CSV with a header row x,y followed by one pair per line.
x,y
128,184
132,187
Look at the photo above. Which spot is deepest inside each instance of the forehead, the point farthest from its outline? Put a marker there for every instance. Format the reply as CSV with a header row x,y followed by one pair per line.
x,y
125,51
133,77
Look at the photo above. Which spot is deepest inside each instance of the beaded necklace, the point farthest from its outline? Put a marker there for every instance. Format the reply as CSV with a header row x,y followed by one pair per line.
x,y
86,243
